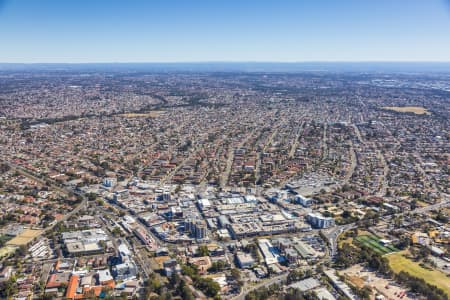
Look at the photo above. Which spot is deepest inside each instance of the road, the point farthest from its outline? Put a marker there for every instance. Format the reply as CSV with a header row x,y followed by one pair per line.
x,y
63,190
194,148
345,180
260,153
333,235
420,210
224,176
139,255
353,163
27,173
295,143
383,182
358,134
324,145
230,159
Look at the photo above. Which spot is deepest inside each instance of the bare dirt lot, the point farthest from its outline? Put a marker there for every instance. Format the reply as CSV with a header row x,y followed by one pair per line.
x,y
360,276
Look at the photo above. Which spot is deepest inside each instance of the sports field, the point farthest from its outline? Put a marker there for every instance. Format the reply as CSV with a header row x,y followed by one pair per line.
x,y
25,237
409,109
373,242
398,263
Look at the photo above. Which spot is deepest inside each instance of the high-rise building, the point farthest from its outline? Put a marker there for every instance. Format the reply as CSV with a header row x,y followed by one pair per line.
x,y
306,202
319,221
197,228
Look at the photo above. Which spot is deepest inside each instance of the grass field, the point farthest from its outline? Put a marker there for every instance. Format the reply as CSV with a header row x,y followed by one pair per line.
x,y
25,237
373,242
7,250
400,263
408,109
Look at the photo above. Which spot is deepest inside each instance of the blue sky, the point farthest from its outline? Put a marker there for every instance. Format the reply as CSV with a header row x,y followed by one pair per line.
x,y
224,30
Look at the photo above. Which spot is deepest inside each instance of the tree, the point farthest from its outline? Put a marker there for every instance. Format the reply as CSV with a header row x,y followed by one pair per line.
x,y
91,196
174,280
208,286
404,242
424,252
186,293
347,255
236,274
346,188
346,214
370,218
398,221
189,270
102,244
116,231
152,285
253,249
218,266
203,250
4,168
8,288
418,285
442,216
295,275
388,193
21,251
365,292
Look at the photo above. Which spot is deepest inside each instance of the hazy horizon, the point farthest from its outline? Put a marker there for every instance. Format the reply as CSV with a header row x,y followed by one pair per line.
x,y
289,67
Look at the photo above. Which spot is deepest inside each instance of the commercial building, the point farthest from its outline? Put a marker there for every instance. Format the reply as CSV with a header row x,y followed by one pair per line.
x,y
244,260
109,182
83,248
124,271
197,228
270,253
224,222
203,204
85,242
318,221
340,285
305,250
323,294
306,202
305,284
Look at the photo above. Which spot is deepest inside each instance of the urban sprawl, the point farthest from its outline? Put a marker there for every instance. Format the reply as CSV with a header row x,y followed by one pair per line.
x,y
190,185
